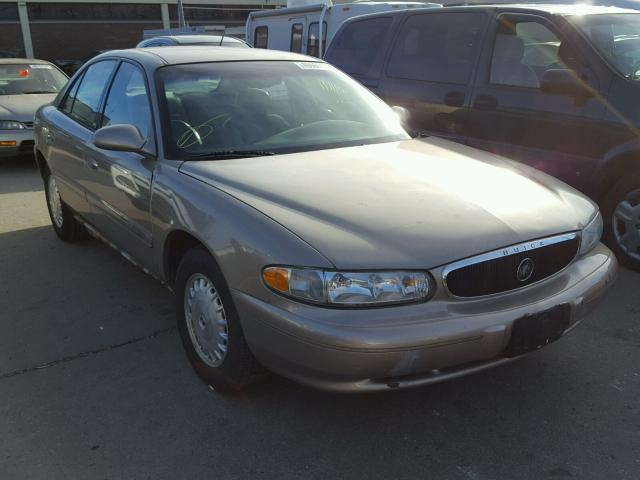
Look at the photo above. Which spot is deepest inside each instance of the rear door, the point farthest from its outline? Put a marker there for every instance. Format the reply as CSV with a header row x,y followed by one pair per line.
x,y
70,129
359,48
121,185
561,134
430,67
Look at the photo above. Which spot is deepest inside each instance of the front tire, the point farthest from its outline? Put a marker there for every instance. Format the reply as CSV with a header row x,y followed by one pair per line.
x,y
209,325
64,223
621,210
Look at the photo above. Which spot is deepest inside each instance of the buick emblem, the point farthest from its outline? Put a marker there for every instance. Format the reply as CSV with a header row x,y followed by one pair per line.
x,y
525,270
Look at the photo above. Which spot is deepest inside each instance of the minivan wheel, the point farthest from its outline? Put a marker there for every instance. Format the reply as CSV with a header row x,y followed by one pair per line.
x,y
209,325
64,223
621,210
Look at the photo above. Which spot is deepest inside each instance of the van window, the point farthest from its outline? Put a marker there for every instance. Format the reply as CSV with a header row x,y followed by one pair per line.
x,y
296,38
522,52
261,37
360,45
438,47
313,42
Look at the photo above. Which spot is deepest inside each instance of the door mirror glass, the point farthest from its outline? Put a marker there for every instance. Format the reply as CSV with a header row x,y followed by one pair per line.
x,y
120,138
563,82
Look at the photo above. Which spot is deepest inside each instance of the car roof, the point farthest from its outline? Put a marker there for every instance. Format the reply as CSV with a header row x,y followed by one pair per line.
x,y
546,8
155,57
21,61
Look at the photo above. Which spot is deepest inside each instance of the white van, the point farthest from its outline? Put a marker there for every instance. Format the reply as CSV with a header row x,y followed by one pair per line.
x,y
305,27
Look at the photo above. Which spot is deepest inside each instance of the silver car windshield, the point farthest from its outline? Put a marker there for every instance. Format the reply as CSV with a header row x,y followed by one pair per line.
x,y
617,38
25,79
269,106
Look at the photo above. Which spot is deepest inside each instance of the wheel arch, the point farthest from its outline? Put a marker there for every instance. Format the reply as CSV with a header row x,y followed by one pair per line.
x,y
176,245
41,163
614,168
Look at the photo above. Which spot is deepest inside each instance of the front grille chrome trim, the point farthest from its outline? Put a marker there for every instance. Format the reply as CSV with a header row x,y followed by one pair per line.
x,y
506,252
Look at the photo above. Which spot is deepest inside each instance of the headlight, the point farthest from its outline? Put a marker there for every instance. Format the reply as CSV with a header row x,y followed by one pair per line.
x,y
349,289
591,234
11,125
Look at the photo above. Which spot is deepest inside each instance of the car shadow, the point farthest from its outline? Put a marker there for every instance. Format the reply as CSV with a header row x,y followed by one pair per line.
x,y
19,175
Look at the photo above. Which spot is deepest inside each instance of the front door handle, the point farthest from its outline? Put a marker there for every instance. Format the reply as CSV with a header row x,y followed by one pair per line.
x,y
485,102
93,165
454,99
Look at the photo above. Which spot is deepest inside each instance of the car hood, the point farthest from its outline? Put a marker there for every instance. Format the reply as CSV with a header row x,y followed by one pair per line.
x,y
22,108
410,204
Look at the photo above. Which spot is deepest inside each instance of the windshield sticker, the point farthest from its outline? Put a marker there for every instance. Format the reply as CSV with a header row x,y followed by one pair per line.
x,y
313,65
41,66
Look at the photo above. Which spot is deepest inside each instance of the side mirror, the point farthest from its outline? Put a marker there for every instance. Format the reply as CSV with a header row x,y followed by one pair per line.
x,y
564,82
120,138
402,113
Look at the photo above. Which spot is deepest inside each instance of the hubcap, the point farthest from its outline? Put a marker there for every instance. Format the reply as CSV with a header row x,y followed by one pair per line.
x,y
626,224
206,320
55,204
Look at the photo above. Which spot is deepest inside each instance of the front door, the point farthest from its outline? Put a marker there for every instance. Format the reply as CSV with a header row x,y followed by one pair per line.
x,y
120,193
430,70
511,116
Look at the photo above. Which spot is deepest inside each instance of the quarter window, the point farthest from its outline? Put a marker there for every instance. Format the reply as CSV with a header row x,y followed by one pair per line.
x,y
522,52
296,38
313,42
128,101
360,45
86,106
438,47
261,37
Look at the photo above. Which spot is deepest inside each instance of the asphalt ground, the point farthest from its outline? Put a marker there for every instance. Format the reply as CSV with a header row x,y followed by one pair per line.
x,y
94,385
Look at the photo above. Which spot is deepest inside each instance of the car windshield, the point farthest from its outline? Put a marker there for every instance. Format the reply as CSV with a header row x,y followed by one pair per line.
x,y
25,79
268,106
617,38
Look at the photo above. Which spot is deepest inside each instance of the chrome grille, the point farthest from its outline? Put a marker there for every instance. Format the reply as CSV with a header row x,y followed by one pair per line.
x,y
504,269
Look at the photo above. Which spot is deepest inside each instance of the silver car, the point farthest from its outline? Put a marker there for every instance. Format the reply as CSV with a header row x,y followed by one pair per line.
x,y
303,230
25,85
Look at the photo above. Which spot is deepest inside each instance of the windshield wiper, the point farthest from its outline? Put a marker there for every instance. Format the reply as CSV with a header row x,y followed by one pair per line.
x,y
38,91
227,154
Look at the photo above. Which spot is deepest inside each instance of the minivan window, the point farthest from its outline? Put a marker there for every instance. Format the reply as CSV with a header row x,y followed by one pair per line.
x,y
313,43
86,106
617,38
522,52
261,37
438,47
296,38
128,102
360,43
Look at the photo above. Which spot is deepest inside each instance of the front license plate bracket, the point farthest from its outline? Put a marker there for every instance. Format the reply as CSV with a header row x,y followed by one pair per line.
x,y
532,332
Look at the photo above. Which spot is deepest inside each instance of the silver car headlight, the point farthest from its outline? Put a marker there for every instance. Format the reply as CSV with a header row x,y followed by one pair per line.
x,y
11,125
591,234
349,289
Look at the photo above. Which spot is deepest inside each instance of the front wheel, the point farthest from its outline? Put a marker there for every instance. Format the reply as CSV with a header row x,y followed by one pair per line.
x,y
64,223
621,210
209,325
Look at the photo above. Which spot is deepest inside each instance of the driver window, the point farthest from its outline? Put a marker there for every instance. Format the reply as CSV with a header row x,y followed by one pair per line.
x,y
128,102
523,52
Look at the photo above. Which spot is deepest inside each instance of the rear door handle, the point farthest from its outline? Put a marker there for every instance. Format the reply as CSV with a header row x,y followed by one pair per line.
x,y
485,102
454,99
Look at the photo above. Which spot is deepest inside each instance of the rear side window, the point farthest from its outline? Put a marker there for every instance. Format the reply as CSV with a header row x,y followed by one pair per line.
x,y
128,101
261,37
313,42
67,103
438,47
296,38
360,45
86,105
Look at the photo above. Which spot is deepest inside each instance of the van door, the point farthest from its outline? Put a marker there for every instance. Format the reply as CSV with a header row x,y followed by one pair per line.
x,y
561,134
298,34
359,49
430,68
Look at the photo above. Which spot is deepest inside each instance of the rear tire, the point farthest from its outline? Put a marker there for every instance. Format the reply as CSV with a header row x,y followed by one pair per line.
x,y
64,223
621,211
209,325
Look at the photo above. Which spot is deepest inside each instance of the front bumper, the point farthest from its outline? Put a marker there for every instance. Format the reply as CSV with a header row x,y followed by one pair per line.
x,y
23,142
411,345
